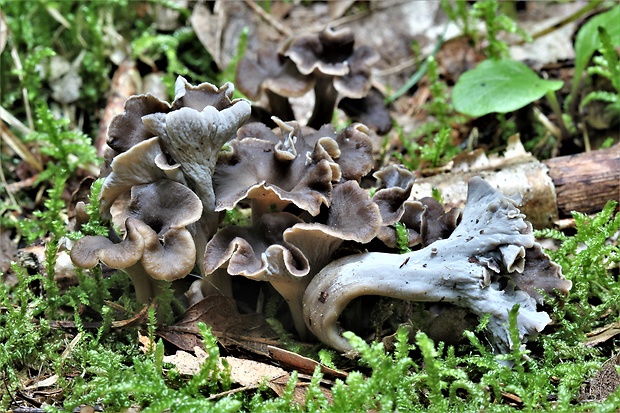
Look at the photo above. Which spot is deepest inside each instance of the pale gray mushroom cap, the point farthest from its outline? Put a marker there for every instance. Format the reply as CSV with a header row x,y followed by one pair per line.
x,y
194,138
476,268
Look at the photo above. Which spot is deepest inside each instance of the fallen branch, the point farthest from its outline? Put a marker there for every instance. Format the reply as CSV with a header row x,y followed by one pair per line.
x,y
551,189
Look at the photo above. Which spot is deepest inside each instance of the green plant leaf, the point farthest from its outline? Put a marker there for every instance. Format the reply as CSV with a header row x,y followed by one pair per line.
x,y
499,86
587,40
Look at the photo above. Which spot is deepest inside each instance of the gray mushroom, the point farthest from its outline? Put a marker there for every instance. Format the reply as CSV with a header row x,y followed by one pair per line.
x,y
337,66
287,252
477,267
274,76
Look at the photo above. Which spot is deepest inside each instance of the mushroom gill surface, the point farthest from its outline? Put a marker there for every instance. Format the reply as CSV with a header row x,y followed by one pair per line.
x,y
469,269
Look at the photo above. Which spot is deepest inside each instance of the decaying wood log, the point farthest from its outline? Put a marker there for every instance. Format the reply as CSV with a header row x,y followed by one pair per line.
x,y
550,189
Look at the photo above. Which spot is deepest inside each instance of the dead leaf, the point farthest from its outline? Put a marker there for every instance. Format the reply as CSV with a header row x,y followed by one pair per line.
x,y
250,373
219,30
249,331
600,335
48,382
302,364
604,382
146,344
187,363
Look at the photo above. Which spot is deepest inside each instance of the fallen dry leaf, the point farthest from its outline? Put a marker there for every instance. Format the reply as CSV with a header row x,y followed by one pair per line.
x,y
600,335
248,331
604,382
302,364
250,373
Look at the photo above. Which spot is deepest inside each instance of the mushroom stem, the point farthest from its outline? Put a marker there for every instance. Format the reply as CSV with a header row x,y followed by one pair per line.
x,y
280,106
146,287
325,96
292,290
455,270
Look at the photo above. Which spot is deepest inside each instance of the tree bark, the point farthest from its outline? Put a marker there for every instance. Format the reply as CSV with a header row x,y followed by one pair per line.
x,y
551,189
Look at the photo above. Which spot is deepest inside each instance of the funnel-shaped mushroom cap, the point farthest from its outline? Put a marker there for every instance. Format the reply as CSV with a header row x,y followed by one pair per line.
x,y
140,164
332,53
90,250
200,96
427,218
326,52
370,110
164,205
126,129
395,183
352,216
246,250
271,72
298,166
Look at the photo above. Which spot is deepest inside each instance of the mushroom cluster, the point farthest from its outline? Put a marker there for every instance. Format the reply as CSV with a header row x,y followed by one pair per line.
x,y
174,169
162,157
328,63
489,263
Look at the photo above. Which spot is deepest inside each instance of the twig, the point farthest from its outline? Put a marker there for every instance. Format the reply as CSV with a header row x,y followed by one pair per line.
x,y
18,147
20,68
268,18
569,19
555,131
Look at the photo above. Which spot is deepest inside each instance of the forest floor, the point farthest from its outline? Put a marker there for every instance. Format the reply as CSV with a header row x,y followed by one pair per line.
x,y
77,340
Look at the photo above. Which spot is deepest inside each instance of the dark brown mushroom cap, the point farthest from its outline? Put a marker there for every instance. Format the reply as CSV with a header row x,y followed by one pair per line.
x,y
356,84
140,164
277,169
326,52
395,182
156,236
246,251
352,216
168,256
371,110
126,129
425,221
200,96
164,205
332,53
272,72
89,250
428,218
356,156
539,273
